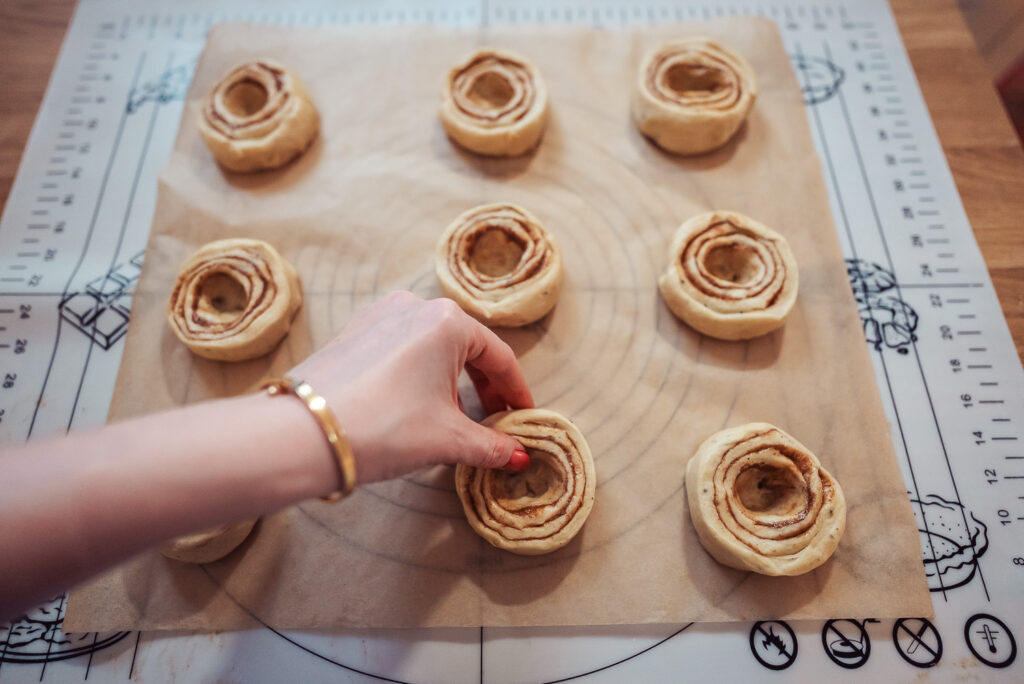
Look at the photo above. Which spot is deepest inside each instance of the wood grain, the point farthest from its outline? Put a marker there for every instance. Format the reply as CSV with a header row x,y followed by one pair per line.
x,y
982,148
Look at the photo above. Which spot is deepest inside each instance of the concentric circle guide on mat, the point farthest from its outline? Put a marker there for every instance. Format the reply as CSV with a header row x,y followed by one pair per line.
x,y
71,245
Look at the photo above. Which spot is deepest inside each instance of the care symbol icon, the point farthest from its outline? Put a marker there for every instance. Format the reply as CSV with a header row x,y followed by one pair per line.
x,y
846,642
917,641
990,640
773,643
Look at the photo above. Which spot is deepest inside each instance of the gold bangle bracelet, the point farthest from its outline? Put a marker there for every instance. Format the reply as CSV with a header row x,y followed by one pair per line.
x,y
317,405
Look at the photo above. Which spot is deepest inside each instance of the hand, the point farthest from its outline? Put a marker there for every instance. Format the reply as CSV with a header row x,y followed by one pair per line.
x,y
391,378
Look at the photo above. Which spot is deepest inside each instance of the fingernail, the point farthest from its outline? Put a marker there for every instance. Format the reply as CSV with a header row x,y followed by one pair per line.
x,y
519,462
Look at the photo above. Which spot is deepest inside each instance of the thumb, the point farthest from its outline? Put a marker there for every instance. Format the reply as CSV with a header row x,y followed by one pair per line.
x,y
483,447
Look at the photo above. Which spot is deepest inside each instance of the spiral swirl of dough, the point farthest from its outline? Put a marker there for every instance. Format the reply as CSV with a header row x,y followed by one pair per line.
x,y
731,277
500,265
761,501
258,116
234,300
539,510
692,95
495,103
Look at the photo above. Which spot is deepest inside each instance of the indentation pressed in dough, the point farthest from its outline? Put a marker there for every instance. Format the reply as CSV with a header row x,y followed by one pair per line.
x,y
734,263
771,490
539,485
491,90
245,98
221,298
495,253
685,78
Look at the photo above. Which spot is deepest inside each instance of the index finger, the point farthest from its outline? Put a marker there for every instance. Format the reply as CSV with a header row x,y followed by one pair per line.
x,y
496,361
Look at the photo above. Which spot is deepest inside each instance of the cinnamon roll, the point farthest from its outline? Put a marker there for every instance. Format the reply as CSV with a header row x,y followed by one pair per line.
x,y
495,103
541,509
500,265
258,116
692,95
234,300
208,545
730,276
761,501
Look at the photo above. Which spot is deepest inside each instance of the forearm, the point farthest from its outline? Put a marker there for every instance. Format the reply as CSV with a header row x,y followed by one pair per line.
x,y
100,497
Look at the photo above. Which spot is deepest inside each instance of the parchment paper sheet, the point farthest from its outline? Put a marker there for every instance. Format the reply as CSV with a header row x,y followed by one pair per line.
x,y
358,216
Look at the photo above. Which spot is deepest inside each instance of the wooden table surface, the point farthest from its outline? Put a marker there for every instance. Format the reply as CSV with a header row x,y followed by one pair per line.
x,y
982,148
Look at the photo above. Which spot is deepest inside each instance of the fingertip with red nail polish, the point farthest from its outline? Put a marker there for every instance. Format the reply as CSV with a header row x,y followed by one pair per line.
x,y
519,461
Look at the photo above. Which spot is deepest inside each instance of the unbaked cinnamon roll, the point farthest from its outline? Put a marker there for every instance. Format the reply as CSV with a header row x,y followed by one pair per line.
x,y
500,265
208,545
541,509
495,103
258,116
731,277
761,501
692,95
234,300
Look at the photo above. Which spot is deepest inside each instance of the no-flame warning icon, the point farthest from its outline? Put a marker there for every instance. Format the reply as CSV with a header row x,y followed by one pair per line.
x,y
773,644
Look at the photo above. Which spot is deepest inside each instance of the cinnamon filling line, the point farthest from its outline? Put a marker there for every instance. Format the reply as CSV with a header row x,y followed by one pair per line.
x,y
693,77
757,269
256,74
493,90
499,499
490,276
248,269
812,485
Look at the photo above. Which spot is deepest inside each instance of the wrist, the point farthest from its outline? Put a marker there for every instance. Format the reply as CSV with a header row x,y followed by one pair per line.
x,y
336,438
296,441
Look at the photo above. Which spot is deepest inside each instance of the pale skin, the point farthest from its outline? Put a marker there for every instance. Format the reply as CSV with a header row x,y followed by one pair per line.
x,y
72,507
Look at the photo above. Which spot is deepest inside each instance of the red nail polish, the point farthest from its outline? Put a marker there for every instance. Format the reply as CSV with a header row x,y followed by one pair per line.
x,y
519,462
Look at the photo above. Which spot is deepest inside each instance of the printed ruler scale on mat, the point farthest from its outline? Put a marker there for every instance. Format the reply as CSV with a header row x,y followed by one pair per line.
x,y
70,251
